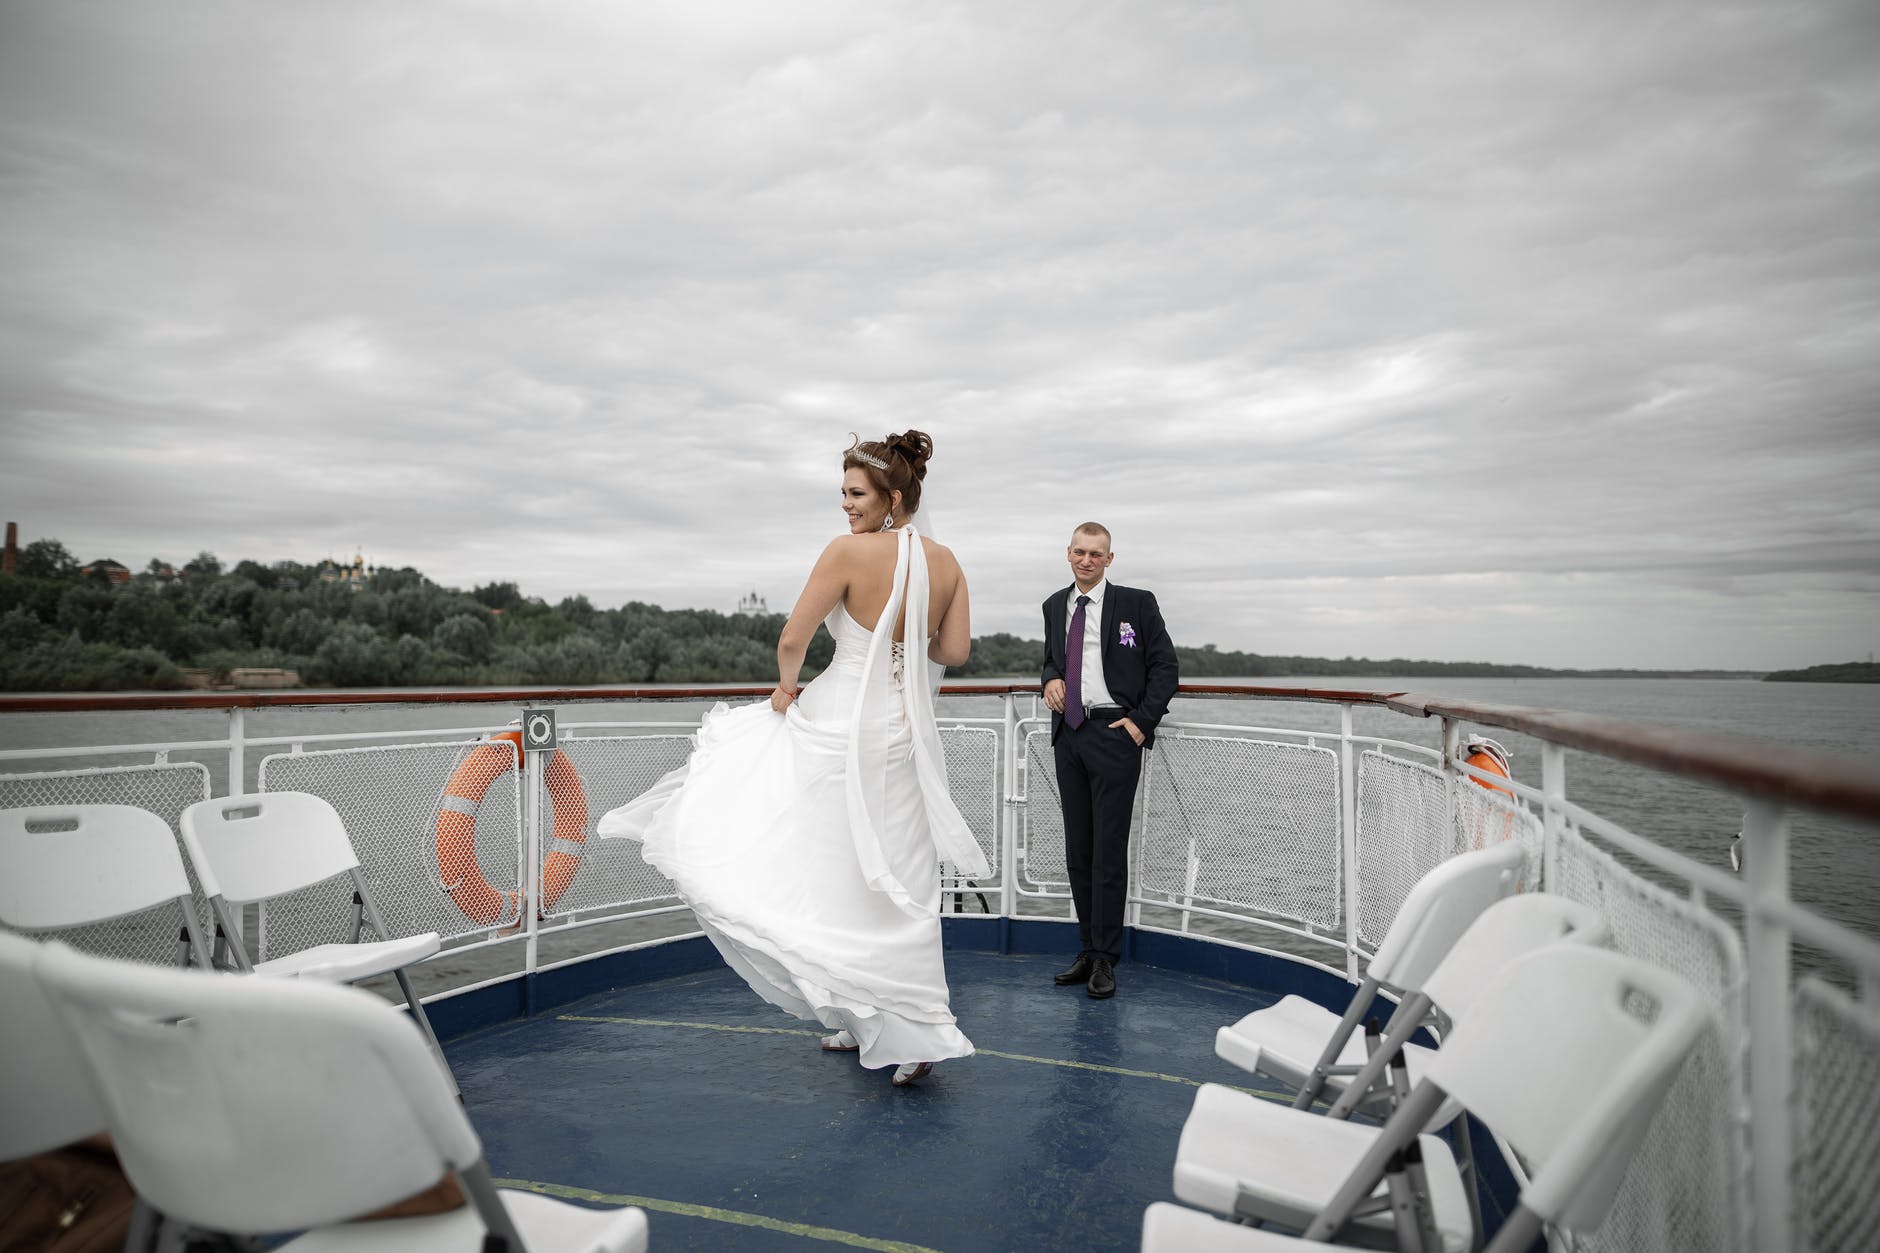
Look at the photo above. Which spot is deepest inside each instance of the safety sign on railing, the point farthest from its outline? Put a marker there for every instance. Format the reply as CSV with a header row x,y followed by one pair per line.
x,y
538,730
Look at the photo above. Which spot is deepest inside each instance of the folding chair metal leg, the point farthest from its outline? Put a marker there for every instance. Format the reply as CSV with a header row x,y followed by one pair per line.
x,y
228,935
1471,1184
1422,1205
189,939
1403,1207
481,1190
368,911
1403,1024
1399,1079
170,1237
416,1007
1522,1229
142,1232
1404,1126
1328,1057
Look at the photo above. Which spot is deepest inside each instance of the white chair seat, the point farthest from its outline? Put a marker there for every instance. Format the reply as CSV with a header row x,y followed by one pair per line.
x,y
544,1223
1284,1040
1240,1152
347,963
1177,1229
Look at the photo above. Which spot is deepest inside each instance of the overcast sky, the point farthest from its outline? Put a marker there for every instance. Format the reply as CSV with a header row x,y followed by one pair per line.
x,y
1537,333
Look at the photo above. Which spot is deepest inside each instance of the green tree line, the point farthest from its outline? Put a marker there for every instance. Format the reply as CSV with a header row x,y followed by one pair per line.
x,y
62,629
1843,672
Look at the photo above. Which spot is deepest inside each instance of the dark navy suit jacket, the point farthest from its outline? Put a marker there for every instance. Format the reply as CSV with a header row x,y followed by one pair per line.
x,y
1141,674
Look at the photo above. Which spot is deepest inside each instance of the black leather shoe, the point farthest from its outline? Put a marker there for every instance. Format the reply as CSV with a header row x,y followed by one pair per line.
x,y
1102,979
1079,972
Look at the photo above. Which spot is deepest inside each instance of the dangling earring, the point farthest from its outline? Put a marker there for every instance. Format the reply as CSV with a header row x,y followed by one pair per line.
x,y
887,521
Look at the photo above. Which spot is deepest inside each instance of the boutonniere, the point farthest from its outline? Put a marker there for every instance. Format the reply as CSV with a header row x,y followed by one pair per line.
x,y
1127,635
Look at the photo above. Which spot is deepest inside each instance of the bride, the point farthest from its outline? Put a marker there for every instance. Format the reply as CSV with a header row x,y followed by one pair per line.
x,y
806,833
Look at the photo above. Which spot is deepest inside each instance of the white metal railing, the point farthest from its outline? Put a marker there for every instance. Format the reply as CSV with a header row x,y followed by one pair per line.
x,y
1244,835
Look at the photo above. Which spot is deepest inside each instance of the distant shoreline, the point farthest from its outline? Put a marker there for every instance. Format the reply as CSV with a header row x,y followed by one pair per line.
x,y
1845,672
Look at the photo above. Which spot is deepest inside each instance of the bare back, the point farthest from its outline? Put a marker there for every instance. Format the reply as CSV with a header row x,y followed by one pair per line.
x,y
871,581
857,572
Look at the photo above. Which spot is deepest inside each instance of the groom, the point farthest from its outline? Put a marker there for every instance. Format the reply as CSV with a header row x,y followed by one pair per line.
x,y
1109,674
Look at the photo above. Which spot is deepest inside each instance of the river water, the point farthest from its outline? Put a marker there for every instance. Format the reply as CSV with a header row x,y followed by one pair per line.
x,y
1836,863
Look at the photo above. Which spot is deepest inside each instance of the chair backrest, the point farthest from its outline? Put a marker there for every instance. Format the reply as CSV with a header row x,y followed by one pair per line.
x,y
1510,928
1439,908
248,848
256,1105
68,865
1567,1054
46,1097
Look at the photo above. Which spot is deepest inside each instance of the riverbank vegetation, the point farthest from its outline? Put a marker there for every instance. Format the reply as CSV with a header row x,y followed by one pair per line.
x,y
1845,672
67,627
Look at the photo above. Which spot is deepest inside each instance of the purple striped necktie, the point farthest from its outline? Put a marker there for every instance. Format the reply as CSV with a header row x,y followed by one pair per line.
x,y
1074,668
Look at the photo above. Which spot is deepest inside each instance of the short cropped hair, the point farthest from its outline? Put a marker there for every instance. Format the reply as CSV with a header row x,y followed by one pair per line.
x,y
1093,528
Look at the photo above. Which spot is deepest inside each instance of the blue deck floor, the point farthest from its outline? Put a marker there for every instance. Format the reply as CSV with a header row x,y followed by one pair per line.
x,y
718,1113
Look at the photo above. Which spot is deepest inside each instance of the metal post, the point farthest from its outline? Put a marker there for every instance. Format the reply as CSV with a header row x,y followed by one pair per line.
x,y
1008,844
1452,743
1553,819
1766,852
1188,885
1348,837
238,786
531,782
237,753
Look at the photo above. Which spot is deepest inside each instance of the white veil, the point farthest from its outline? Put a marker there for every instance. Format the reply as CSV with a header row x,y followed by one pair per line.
x,y
925,522
952,838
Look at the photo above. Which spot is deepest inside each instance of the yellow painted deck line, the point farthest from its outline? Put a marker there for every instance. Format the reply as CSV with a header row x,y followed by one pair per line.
x,y
696,1026
1011,1057
741,1218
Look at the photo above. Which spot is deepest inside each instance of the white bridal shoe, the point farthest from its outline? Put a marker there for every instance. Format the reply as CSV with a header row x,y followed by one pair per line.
x,y
907,1072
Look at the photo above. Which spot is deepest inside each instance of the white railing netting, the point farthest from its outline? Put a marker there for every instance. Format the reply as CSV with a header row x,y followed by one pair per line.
x,y
972,763
1688,1185
1040,820
613,770
165,789
1837,1120
1250,824
1402,833
389,798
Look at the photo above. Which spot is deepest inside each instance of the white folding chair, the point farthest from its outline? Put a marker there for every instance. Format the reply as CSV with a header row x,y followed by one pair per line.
x,y
1567,1054
301,1105
253,848
1252,1159
64,866
45,1093
1282,1040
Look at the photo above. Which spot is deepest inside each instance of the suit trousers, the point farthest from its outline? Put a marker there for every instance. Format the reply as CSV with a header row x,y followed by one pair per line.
x,y
1097,769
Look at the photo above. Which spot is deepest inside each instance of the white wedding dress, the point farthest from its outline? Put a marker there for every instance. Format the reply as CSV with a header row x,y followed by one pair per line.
x,y
808,843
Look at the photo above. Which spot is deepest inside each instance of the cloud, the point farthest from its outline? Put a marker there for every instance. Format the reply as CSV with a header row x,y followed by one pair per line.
x,y
1545,334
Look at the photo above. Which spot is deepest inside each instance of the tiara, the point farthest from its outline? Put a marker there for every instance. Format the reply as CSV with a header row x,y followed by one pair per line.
x,y
870,458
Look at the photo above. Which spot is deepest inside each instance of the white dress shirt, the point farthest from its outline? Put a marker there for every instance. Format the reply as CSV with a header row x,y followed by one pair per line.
x,y
1095,692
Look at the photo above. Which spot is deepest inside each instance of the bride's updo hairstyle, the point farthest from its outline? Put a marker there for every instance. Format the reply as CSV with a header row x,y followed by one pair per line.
x,y
895,464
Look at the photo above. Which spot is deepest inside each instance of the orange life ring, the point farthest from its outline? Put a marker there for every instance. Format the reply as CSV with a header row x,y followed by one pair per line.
x,y
457,866
1490,758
